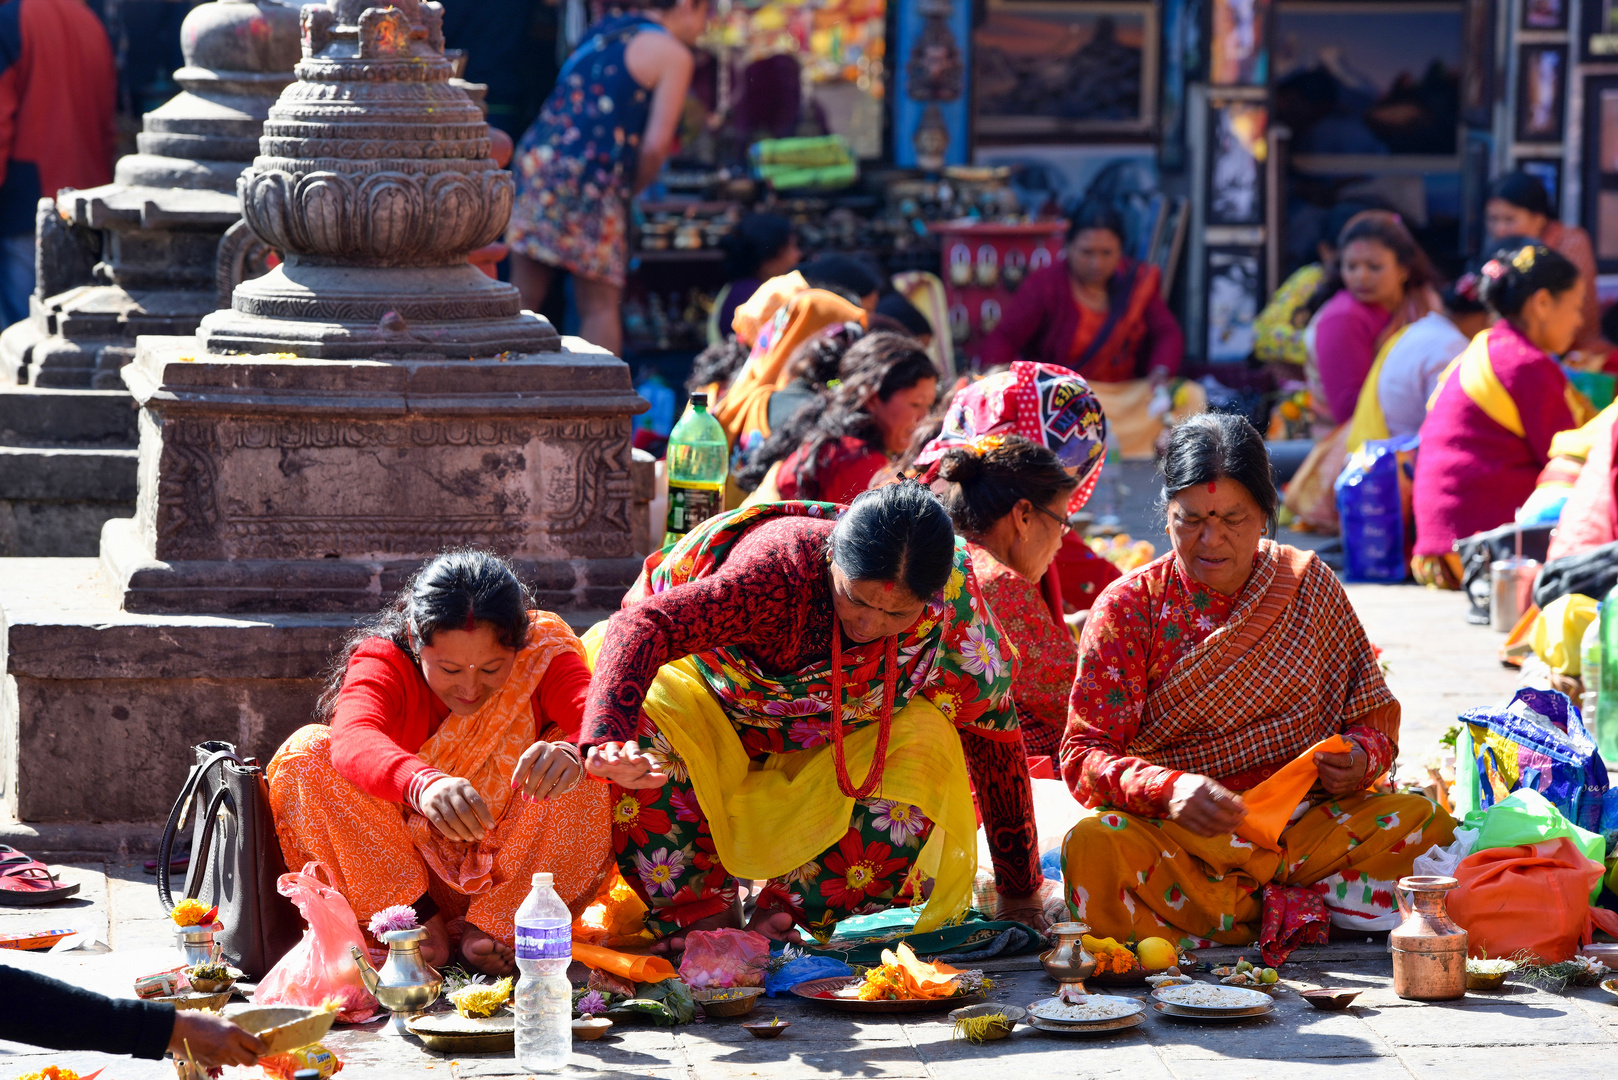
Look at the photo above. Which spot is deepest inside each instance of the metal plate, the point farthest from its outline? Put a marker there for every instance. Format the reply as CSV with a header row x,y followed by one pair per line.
x,y
1241,998
813,991
1098,1027
1137,1007
452,1034
1176,1013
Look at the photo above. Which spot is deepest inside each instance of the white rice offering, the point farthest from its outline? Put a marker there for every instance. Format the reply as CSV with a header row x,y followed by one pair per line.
x,y
1203,996
1093,1007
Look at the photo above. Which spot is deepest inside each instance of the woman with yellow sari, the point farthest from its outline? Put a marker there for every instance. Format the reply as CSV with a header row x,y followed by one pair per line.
x,y
1227,723
445,775
798,693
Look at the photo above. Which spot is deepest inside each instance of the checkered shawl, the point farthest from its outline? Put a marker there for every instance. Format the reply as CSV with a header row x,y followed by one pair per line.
x,y
1290,667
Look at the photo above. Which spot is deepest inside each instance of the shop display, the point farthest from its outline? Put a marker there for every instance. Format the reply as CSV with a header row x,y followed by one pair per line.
x,y
973,255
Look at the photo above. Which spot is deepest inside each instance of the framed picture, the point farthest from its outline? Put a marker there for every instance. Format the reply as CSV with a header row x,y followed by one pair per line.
x,y
1544,14
1547,171
1239,42
1371,79
1477,69
1237,148
1235,297
1600,184
1065,68
1541,93
1598,31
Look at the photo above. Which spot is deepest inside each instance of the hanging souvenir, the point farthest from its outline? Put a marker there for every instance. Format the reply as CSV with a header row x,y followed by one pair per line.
x,y
1040,259
988,316
960,323
1013,267
988,266
960,265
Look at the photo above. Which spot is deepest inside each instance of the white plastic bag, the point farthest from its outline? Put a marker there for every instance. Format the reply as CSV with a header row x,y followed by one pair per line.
x,y
1441,861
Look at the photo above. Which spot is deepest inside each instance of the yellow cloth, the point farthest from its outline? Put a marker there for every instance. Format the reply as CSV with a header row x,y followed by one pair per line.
x,y
926,292
1369,424
769,818
1129,876
1127,404
1575,443
1483,386
1559,632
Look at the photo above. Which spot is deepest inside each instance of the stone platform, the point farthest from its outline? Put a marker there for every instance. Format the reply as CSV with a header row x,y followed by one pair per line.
x,y
67,465
1573,1036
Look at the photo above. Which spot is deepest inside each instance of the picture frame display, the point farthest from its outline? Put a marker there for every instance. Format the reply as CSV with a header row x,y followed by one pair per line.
x,y
1235,297
1060,68
1544,14
1237,147
1239,43
1600,180
1598,31
1541,93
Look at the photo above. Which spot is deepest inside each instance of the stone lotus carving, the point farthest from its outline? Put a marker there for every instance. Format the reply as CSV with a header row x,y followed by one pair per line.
x,y
374,182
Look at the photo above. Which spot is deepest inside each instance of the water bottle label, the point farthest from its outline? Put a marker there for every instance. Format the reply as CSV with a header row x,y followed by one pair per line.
x,y
544,942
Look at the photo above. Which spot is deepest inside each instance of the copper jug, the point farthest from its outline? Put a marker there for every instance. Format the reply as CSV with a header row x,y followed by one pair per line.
x,y
1069,963
1429,950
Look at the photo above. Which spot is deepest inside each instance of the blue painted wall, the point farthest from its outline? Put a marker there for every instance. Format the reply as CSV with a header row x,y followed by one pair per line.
x,y
906,113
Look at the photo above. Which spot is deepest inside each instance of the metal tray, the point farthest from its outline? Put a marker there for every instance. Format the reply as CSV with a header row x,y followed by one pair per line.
x,y
813,991
1175,1012
452,1033
1138,1008
1097,1027
1258,1000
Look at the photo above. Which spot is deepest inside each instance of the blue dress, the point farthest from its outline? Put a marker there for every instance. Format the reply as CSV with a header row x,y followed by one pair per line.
x,y
576,163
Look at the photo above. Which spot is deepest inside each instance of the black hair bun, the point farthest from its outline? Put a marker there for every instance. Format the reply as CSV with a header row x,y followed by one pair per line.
x,y
959,466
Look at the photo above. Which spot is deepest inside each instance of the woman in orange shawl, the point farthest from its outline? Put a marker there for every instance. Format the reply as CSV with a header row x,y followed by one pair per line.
x,y
1204,674
447,775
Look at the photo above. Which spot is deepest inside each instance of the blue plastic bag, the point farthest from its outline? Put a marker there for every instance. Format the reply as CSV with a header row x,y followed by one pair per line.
x,y
803,969
1370,506
1537,743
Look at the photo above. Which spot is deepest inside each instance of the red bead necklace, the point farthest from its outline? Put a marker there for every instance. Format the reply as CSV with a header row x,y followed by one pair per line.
x,y
890,678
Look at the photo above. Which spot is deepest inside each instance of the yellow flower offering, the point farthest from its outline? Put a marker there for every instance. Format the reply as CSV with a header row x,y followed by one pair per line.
x,y
479,1000
193,913
51,1072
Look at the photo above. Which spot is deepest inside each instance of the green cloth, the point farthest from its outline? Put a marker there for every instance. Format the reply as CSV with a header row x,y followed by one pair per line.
x,y
860,940
1527,817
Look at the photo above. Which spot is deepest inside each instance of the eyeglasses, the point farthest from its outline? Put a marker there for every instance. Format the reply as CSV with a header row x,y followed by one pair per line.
x,y
1059,519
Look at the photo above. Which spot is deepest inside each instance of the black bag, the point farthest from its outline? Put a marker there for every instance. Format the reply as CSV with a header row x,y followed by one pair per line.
x,y
1479,550
1592,573
235,858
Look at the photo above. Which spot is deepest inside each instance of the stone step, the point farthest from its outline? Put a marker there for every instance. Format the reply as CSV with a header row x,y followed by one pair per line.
x,y
59,475
42,418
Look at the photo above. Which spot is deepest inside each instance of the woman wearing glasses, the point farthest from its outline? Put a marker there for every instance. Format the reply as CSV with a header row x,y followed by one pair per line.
x,y
1019,452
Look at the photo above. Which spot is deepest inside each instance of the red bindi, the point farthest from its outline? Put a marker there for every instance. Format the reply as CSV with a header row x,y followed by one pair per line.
x,y
1212,487
887,586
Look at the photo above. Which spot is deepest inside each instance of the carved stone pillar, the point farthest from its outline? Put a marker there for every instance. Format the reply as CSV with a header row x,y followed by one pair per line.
x,y
155,230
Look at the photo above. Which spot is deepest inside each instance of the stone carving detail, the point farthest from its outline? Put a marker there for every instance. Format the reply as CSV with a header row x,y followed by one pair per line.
x,y
374,182
242,256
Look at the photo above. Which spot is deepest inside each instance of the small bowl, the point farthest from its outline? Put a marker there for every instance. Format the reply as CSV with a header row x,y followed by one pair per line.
x,y
591,1028
1492,981
1331,998
195,1000
725,1002
1013,1015
212,986
766,1029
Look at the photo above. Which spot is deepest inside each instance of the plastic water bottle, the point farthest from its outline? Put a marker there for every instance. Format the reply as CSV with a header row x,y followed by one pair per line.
x,y
1607,696
544,998
1590,674
698,462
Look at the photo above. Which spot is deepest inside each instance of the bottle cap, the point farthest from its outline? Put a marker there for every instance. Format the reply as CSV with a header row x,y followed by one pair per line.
x,y
542,879
699,401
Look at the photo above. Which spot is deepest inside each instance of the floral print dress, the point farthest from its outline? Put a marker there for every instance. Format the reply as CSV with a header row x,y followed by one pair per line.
x,y
747,595
576,163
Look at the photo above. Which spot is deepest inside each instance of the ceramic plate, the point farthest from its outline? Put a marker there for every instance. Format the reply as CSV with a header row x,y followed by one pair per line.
x,y
1207,997
1194,1017
823,991
1132,1006
1099,1027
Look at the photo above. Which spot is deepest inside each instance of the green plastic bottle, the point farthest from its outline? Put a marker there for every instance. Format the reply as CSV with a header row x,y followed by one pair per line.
x,y
698,462
1607,694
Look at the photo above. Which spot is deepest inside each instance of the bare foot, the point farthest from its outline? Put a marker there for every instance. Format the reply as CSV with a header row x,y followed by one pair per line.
x,y
673,945
435,946
777,926
484,953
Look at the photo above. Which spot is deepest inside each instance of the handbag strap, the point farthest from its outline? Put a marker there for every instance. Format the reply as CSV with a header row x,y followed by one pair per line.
x,y
165,888
199,855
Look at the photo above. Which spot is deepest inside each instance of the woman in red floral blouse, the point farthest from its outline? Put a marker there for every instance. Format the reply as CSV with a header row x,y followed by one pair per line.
x,y
1009,498
1200,675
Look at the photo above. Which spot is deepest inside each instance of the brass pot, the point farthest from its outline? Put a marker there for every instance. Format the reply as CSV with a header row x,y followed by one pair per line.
x,y
1429,950
1068,962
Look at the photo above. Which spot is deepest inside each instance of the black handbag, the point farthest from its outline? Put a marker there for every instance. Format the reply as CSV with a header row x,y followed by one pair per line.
x,y
1479,550
235,858
1592,573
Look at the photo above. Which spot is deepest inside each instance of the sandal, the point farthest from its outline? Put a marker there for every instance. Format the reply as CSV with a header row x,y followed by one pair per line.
x,y
26,882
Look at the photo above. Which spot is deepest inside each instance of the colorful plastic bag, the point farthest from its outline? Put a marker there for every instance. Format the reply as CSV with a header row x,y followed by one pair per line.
x,y
724,958
1538,742
1532,897
1372,492
319,968
1559,631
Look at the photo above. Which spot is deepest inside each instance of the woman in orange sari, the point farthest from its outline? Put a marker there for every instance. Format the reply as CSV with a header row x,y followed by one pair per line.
x,y
447,772
1228,662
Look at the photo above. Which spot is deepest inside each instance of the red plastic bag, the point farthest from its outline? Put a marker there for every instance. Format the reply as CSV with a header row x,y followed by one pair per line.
x,y
319,968
1533,897
724,958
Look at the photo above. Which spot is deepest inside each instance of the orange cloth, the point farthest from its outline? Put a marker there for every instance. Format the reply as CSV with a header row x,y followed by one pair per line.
x,y
383,853
1271,803
632,966
1499,886
753,313
745,408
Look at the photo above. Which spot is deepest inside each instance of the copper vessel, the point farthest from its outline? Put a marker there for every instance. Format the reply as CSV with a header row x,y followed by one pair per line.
x,y
1068,963
1429,950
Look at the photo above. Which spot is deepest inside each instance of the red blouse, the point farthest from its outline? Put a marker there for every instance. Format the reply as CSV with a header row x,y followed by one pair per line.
x,y
1143,625
386,710
1047,650
846,468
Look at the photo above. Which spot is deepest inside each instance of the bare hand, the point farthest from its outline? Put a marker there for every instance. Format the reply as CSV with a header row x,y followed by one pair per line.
x,y
547,769
624,764
456,809
1343,774
211,1041
1205,806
